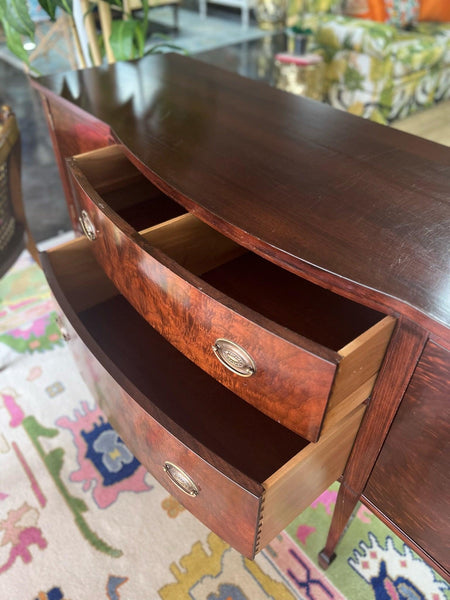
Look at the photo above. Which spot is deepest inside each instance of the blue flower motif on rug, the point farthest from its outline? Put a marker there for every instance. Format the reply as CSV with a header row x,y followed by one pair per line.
x,y
105,465
113,585
53,594
228,591
386,588
109,454
395,575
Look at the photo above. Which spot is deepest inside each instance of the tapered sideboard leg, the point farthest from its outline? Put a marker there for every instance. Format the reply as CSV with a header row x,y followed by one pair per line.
x,y
346,502
398,366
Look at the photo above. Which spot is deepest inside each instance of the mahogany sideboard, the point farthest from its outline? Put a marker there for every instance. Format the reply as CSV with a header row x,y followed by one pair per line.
x,y
260,301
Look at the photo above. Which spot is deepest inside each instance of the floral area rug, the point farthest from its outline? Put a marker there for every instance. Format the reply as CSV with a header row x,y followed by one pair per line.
x,y
81,518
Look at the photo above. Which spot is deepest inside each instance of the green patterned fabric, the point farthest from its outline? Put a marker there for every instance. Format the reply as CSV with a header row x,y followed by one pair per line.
x,y
384,100
316,7
441,35
379,71
337,32
411,53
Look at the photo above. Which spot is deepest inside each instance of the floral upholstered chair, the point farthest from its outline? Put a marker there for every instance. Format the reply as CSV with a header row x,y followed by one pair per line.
x,y
381,69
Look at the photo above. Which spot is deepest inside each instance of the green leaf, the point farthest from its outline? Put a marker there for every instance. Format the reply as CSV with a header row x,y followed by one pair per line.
x,y
14,42
54,460
145,9
18,17
122,39
50,7
139,38
118,3
65,5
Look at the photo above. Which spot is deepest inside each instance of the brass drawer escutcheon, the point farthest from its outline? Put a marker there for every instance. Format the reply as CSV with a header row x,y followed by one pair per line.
x,y
87,226
181,479
234,357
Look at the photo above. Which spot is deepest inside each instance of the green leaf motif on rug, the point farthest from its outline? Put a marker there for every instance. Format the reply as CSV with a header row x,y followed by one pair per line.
x,y
54,461
34,340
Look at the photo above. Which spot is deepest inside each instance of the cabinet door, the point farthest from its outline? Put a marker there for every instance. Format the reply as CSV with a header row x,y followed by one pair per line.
x,y
410,483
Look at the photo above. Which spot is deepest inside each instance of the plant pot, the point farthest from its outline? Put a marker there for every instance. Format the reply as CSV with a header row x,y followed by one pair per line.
x,y
299,43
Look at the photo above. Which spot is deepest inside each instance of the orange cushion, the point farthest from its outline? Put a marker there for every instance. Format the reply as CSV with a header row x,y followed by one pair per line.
x,y
366,9
434,10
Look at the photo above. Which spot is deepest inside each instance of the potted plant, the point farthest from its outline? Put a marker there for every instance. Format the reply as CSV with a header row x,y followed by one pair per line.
x,y
300,32
119,39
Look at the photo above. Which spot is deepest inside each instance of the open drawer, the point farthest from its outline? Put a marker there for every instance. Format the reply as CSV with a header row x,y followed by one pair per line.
x,y
244,475
288,347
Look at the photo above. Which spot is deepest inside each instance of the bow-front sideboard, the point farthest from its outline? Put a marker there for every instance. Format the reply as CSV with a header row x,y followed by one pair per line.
x,y
258,296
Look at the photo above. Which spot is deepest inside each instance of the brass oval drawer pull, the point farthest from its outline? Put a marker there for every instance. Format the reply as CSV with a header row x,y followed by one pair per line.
x,y
63,330
181,479
234,357
87,226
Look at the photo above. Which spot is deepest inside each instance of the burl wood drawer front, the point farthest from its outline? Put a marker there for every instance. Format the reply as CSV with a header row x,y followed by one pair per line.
x,y
286,375
244,475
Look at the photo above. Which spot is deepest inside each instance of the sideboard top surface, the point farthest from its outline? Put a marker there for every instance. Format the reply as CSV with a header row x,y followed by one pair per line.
x,y
353,205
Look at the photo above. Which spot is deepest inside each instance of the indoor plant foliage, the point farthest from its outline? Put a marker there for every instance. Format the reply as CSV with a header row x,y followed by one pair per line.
x,y
121,39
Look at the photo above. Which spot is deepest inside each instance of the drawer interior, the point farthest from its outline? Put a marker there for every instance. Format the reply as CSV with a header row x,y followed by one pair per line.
x,y
124,189
291,301
170,387
280,469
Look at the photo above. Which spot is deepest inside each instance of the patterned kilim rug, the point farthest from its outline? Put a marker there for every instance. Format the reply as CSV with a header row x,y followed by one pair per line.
x,y
81,518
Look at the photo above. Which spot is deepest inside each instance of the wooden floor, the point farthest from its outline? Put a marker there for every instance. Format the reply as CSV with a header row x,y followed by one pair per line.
x,y
432,124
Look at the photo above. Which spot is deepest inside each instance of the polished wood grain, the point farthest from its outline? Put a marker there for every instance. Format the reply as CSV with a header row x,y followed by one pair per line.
x,y
350,205
411,479
297,484
71,135
222,445
399,363
192,315
245,520
335,193
205,416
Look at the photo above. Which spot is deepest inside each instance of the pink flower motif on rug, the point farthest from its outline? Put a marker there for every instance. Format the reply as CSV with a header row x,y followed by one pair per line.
x,y
36,328
21,532
364,514
106,466
303,532
327,499
8,397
